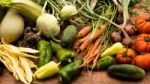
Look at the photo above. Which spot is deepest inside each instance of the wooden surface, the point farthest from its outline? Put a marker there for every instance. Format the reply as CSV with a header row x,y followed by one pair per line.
x,y
86,77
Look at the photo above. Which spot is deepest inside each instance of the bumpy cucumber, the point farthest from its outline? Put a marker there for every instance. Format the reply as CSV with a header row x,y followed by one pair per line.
x,y
68,36
126,71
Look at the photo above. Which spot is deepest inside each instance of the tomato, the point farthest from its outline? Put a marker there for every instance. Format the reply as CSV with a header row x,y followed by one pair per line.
x,y
125,55
142,24
142,43
143,61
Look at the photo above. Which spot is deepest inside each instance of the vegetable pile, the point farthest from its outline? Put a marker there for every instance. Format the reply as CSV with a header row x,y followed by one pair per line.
x,y
63,37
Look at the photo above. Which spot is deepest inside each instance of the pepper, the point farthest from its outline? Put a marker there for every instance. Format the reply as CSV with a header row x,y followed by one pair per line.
x,y
64,55
45,52
47,70
112,50
68,72
103,63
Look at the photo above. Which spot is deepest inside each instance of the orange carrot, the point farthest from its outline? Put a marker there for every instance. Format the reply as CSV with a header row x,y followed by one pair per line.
x,y
96,49
95,60
93,37
85,44
84,59
83,32
99,32
79,42
96,45
91,52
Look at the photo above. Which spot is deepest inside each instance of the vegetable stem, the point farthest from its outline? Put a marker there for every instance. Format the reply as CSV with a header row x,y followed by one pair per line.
x,y
44,7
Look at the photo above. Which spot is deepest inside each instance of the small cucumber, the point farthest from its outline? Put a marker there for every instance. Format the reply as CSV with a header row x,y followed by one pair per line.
x,y
126,71
68,36
103,63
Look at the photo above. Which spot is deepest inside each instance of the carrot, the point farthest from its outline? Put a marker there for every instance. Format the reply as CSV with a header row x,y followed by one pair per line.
x,y
85,44
91,53
92,37
96,44
84,59
99,32
95,60
79,42
83,32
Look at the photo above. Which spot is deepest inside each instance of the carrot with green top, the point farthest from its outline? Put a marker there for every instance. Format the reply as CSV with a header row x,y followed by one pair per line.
x,y
93,37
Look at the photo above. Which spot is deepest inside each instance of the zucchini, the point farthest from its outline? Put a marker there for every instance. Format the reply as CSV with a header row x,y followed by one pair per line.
x,y
27,8
68,36
126,71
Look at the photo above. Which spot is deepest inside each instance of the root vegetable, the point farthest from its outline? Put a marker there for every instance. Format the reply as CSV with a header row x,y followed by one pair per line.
x,y
48,24
130,29
115,36
128,42
68,11
12,26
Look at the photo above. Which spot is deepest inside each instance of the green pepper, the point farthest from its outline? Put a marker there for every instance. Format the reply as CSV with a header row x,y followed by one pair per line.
x,y
68,72
64,55
112,50
47,70
45,52
103,63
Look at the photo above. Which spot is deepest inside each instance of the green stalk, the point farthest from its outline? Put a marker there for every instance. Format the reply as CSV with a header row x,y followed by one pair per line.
x,y
54,6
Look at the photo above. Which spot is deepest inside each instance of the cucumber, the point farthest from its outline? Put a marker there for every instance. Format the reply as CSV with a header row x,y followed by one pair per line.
x,y
126,71
68,36
103,63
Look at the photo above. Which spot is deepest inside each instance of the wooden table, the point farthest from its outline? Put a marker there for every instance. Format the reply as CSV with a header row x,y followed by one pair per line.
x,y
86,77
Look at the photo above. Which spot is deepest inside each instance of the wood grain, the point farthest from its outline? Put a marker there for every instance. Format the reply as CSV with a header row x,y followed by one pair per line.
x,y
86,77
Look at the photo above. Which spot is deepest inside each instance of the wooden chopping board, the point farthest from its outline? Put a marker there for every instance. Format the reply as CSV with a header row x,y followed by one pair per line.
x,y
87,77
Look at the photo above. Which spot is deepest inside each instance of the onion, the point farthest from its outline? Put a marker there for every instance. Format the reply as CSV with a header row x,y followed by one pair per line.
x,y
48,24
115,36
128,42
130,29
119,19
68,11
